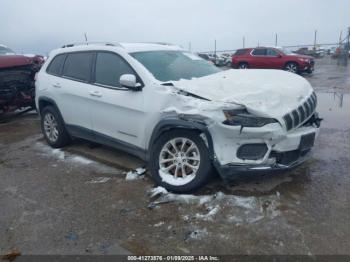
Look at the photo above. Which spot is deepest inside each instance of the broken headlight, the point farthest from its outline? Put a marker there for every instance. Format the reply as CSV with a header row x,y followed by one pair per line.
x,y
244,119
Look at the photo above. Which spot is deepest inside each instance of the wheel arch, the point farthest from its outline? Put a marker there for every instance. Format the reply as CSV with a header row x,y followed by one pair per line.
x,y
291,61
168,124
44,101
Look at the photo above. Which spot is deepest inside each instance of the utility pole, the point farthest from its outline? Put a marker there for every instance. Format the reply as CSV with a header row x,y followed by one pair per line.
x,y
341,32
276,39
315,40
85,35
243,42
215,47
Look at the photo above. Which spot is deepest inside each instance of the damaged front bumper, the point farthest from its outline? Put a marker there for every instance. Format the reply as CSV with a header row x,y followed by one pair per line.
x,y
232,171
268,149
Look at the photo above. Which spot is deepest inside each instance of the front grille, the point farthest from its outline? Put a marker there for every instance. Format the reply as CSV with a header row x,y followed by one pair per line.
x,y
303,112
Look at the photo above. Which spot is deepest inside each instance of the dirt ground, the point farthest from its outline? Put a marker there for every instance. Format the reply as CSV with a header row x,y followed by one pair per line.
x,y
77,200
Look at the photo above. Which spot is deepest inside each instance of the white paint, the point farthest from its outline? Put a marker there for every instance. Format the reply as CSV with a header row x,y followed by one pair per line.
x,y
271,92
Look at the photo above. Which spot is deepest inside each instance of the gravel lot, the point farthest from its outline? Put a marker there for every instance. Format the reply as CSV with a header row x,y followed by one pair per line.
x,y
77,200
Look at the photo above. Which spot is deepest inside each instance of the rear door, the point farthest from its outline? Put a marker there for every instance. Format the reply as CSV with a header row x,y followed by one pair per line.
x,y
258,56
117,112
72,89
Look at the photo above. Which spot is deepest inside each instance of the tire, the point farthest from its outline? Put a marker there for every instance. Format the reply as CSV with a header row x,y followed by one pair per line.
x,y
292,67
243,65
197,156
229,64
53,128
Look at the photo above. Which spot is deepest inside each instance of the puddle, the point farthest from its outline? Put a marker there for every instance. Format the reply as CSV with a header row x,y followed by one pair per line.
x,y
334,108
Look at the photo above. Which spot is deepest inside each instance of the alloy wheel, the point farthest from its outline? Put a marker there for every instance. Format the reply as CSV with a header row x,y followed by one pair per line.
x,y
179,161
291,68
50,127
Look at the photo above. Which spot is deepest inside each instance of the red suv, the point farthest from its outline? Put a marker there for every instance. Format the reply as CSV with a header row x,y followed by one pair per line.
x,y
272,58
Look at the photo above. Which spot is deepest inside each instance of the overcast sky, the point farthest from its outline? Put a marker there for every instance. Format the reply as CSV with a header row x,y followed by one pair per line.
x,y
38,26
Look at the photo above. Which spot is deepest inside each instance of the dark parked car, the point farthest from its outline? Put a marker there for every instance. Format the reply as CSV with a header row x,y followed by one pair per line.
x,y
272,58
316,53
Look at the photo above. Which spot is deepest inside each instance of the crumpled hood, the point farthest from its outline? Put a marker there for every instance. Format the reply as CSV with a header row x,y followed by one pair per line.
x,y
271,93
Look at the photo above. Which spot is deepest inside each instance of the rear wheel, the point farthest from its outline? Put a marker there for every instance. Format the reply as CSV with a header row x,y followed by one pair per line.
x,y
180,161
292,67
53,128
243,65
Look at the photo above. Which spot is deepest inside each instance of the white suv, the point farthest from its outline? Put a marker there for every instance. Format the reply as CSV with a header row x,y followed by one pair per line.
x,y
176,111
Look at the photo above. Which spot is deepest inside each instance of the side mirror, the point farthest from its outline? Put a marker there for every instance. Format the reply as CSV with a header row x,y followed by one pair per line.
x,y
279,56
129,81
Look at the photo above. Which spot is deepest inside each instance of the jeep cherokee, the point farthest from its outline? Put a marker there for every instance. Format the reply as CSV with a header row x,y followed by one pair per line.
x,y
178,112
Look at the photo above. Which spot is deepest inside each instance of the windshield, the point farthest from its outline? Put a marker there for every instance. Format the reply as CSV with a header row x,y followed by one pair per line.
x,y
175,65
5,50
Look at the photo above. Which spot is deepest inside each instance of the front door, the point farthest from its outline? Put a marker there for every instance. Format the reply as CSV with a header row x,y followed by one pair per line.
x,y
273,59
117,112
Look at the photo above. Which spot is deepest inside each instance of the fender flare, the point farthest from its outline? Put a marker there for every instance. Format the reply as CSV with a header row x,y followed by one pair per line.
x,y
176,123
50,101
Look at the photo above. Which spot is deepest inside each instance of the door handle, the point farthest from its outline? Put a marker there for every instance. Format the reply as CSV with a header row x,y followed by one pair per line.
x,y
95,93
57,85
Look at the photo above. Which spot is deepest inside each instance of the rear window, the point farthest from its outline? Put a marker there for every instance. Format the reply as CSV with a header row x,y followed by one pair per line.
x,y
56,65
78,66
240,52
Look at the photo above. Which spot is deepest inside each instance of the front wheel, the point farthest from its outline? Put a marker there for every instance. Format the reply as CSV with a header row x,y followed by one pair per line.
x,y
180,161
291,67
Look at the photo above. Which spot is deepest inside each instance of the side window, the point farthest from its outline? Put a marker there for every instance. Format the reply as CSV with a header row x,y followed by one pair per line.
x,y
241,51
271,52
109,68
78,66
259,51
56,65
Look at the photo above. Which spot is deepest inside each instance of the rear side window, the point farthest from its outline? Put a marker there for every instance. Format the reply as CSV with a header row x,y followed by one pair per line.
x,y
78,66
56,64
240,52
109,68
259,51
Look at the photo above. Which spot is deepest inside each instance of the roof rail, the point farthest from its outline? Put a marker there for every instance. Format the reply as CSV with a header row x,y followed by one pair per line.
x,y
158,43
92,43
